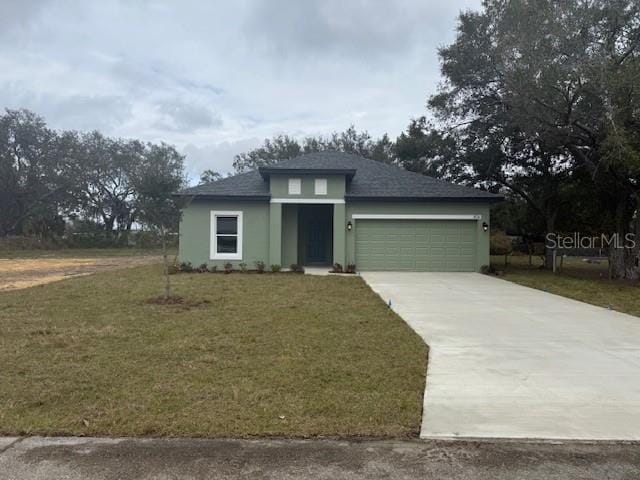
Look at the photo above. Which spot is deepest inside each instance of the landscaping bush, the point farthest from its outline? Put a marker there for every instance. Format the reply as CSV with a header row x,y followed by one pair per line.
x,y
487,270
173,269
186,267
295,268
203,268
243,267
337,268
351,268
260,266
275,268
228,267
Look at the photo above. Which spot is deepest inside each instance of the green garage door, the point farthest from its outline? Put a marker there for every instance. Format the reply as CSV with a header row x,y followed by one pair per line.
x,y
416,245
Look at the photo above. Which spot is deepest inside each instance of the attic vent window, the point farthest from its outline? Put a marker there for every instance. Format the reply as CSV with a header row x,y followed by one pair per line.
x,y
321,186
295,186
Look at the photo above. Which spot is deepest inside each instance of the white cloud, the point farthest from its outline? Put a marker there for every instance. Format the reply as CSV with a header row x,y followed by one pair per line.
x,y
216,78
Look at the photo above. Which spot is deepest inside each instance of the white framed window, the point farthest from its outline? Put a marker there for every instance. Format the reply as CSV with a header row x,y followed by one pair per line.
x,y
321,186
295,186
226,235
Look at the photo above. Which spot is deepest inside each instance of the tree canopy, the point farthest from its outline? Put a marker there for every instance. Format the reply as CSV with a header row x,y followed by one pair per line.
x,y
283,147
48,178
543,96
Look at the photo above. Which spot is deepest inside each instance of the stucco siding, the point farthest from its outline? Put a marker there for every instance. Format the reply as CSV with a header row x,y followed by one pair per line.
x,y
195,229
195,232
289,235
280,186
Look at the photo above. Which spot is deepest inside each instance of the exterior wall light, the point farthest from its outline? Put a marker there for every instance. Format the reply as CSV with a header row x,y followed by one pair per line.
x,y
349,226
485,226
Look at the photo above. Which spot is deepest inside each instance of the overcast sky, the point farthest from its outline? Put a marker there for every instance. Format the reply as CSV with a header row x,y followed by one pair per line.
x,y
217,77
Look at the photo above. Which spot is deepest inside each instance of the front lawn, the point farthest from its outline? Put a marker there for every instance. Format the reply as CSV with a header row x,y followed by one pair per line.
x,y
249,355
579,280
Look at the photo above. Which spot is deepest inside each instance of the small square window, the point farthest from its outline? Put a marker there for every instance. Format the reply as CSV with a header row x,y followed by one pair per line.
x,y
321,186
295,186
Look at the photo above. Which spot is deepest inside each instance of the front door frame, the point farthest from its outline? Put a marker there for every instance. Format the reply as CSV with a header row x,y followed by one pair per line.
x,y
314,220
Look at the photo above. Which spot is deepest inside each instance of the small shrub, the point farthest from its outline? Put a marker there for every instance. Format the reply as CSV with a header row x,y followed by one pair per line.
x,y
351,268
213,268
228,267
486,269
203,268
275,268
186,267
243,267
173,269
500,243
337,268
295,268
260,266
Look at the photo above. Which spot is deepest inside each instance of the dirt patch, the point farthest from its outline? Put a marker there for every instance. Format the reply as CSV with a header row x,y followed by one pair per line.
x,y
172,300
28,272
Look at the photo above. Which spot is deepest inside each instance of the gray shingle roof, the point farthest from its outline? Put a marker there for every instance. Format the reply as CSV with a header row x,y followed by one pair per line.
x,y
248,184
372,180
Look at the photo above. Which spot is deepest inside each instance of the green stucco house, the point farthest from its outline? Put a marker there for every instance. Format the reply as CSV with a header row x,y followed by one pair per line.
x,y
332,207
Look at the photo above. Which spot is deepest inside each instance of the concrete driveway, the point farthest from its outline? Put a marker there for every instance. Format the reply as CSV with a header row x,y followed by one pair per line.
x,y
513,362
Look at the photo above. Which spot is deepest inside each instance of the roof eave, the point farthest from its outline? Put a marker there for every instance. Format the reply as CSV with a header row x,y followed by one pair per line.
x,y
371,198
211,196
265,172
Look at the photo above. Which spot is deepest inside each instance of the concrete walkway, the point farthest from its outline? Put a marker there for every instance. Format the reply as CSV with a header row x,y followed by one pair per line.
x,y
508,361
181,459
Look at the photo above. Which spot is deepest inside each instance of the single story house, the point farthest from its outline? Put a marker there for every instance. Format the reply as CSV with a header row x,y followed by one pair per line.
x,y
332,207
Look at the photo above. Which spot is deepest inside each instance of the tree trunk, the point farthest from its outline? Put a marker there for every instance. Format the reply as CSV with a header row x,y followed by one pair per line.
x,y
548,251
165,259
623,257
108,225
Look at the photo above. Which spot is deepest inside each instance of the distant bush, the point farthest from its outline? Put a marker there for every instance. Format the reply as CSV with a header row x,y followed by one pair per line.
x,y
203,268
260,266
275,268
30,243
88,239
500,243
243,267
350,268
295,268
228,267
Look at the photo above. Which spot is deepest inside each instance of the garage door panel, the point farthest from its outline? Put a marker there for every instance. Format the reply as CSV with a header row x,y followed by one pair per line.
x,y
422,245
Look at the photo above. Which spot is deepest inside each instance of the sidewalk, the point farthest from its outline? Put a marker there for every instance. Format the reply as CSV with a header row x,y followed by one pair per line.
x,y
110,459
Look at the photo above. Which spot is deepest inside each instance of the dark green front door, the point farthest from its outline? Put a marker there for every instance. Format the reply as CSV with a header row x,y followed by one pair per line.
x,y
316,234
316,243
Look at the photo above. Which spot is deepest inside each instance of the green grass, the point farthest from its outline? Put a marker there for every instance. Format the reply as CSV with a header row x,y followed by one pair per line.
x,y
253,355
81,253
579,280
